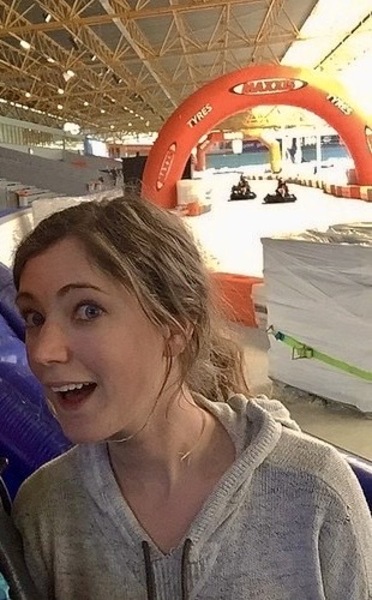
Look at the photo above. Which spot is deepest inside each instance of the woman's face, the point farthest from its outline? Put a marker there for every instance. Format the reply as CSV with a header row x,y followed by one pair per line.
x,y
101,361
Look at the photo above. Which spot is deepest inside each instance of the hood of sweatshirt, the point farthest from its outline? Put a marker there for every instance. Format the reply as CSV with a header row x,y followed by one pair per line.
x,y
274,408
256,423
255,426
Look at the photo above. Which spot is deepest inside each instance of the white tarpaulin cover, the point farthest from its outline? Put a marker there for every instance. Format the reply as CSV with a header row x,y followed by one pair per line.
x,y
320,293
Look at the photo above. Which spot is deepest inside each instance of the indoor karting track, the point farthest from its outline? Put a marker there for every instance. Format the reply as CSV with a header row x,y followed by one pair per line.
x,y
230,233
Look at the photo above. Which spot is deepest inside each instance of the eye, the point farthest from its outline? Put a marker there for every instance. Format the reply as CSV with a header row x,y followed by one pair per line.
x,y
32,318
88,311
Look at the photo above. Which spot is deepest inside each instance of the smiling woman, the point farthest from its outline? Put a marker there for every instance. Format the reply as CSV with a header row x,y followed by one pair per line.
x,y
180,485
88,340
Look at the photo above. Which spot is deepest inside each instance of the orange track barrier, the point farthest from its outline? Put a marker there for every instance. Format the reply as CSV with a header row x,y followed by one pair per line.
x,y
235,292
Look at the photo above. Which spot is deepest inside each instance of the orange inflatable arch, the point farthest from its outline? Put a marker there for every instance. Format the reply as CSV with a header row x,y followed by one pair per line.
x,y
236,92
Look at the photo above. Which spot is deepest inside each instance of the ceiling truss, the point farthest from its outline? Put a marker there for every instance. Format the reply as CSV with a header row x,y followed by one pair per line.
x,y
120,66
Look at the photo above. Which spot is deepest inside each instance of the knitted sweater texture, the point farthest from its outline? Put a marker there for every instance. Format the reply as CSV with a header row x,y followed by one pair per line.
x,y
287,521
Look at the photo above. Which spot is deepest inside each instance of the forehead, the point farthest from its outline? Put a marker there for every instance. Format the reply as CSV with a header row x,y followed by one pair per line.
x,y
67,266
67,259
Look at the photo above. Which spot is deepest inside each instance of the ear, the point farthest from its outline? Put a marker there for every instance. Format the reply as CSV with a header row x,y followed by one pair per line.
x,y
177,340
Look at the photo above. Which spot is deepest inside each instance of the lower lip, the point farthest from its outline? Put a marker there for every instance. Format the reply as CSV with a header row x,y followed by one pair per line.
x,y
68,404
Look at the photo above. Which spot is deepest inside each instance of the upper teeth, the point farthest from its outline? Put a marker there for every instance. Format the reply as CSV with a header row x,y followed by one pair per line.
x,y
69,387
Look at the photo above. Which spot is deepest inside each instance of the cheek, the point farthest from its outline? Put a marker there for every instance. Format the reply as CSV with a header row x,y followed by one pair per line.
x,y
143,363
123,353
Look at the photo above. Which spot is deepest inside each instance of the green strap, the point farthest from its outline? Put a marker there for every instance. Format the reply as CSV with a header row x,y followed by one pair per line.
x,y
300,350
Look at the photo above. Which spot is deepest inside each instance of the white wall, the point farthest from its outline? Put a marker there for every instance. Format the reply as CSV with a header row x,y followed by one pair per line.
x,y
52,153
12,229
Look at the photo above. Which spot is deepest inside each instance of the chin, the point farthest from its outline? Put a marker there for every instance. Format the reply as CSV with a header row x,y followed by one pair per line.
x,y
84,437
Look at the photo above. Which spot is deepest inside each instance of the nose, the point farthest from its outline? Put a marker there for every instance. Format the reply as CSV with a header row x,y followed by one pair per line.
x,y
49,345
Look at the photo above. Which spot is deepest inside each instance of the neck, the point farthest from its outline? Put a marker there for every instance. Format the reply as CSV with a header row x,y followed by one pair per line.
x,y
178,440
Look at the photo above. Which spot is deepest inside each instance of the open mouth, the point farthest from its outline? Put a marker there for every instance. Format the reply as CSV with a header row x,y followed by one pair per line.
x,y
74,394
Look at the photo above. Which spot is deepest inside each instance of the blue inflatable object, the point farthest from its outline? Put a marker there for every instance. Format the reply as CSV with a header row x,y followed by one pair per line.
x,y
29,434
13,475
363,470
7,307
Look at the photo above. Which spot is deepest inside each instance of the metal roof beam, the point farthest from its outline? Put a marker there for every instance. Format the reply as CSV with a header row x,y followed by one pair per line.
x,y
144,13
181,28
242,42
245,42
140,45
42,70
60,10
10,109
41,80
270,19
227,15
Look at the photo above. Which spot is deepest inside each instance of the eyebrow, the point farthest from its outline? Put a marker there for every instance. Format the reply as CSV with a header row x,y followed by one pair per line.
x,y
63,291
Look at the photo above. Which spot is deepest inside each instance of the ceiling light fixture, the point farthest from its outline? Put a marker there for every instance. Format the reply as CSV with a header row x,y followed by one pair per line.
x,y
67,75
72,128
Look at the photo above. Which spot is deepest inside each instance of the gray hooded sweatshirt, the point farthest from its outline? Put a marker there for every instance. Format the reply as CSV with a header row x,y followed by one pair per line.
x,y
287,521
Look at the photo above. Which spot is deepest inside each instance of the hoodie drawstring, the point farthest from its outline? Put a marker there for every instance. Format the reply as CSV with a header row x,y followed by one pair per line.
x,y
184,562
150,579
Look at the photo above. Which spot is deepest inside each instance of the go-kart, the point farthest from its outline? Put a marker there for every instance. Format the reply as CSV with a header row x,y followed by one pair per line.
x,y
279,199
238,194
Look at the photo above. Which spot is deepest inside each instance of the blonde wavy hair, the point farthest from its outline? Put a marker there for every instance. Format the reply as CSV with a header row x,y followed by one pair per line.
x,y
150,251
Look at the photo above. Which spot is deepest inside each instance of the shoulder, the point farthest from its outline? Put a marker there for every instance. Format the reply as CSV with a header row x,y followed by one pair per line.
x,y
311,463
52,481
328,486
320,466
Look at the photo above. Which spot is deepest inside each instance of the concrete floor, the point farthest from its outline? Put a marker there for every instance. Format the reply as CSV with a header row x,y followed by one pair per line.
x,y
230,236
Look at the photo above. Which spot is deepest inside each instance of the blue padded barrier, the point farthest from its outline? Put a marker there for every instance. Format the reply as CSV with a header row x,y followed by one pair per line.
x,y
29,434
363,470
7,307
